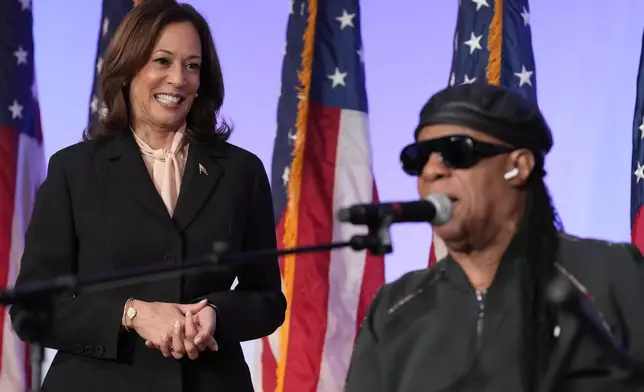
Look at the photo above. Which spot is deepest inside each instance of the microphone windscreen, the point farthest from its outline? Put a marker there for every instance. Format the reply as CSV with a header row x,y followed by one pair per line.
x,y
443,206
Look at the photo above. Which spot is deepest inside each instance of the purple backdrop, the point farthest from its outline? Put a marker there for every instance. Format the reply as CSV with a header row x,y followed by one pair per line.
x,y
586,53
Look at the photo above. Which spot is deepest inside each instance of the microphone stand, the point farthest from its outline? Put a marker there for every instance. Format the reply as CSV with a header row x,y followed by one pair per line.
x,y
34,315
581,320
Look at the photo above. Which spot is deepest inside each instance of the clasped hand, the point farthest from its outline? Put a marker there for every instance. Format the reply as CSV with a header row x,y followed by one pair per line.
x,y
176,329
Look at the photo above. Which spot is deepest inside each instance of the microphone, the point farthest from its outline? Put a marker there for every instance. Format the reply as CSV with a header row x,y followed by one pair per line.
x,y
436,209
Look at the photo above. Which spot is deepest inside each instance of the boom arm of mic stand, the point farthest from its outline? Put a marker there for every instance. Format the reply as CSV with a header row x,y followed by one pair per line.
x,y
33,313
561,358
34,299
582,321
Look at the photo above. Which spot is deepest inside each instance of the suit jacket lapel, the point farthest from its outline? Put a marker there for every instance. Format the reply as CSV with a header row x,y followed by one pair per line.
x,y
200,177
127,165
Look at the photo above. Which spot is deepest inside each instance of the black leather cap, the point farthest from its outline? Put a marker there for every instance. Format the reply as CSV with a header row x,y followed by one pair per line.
x,y
493,110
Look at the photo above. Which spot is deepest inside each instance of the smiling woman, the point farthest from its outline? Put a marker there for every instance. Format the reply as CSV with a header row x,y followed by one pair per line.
x,y
155,181
162,58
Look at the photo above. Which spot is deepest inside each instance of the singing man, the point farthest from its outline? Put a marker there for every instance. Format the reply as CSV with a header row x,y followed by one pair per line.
x,y
480,319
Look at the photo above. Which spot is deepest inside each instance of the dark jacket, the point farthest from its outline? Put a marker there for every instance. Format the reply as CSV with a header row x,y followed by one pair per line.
x,y
420,333
98,212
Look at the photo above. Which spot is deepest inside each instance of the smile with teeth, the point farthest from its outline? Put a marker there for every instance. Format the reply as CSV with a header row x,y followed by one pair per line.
x,y
167,99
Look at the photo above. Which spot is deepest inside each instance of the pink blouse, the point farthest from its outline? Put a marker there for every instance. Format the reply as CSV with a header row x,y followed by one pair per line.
x,y
166,167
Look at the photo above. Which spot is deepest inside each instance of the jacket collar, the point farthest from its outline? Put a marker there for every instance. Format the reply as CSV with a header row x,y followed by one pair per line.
x,y
204,168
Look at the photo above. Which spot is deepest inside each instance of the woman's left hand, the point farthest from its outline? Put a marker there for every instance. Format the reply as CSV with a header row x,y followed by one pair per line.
x,y
196,333
205,322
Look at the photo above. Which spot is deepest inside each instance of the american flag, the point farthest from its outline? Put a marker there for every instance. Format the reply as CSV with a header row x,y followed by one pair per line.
x,y
637,195
321,162
493,44
112,14
22,169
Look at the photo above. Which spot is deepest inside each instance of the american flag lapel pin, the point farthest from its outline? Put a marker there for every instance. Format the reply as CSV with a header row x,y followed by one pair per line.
x,y
202,170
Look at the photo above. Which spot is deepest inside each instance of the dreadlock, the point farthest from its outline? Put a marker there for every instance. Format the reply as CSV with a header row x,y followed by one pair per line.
x,y
542,246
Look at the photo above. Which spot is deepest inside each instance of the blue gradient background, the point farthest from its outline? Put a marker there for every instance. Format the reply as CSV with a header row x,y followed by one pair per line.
x,y
587,55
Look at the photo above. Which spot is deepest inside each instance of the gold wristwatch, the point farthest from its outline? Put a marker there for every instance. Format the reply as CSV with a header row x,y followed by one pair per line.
x,y
130,314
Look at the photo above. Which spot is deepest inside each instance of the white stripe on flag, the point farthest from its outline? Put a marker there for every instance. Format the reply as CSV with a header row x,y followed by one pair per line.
x,y
257,348
255,366
353,183
440,250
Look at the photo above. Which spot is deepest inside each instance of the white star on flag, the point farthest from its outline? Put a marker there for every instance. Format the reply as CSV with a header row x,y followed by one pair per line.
x,y
24,4
21,55
99,65
480,3
337,78
639,172
641,128
106,26
346,19
285,176
94,104
474,42
467,80
526,16
16,110
292,136
524,76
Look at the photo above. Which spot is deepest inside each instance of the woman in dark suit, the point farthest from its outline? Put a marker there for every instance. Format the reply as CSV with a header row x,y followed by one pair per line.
x,y
155,182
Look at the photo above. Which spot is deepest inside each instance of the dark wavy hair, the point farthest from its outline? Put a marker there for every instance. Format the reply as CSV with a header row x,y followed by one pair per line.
x,y
130,49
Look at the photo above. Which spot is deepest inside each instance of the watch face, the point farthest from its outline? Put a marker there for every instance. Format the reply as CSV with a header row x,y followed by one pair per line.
x,y
131,312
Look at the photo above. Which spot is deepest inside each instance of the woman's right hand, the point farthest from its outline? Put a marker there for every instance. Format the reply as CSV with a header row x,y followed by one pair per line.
x,y
157,322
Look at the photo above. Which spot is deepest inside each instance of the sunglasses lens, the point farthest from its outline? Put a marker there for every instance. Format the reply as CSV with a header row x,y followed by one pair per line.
x,y
458,153
413,158
455,152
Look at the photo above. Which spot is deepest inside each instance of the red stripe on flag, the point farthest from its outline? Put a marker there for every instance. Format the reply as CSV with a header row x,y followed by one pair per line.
x,y
372,278
637,231
8,172
269,367
280,240
27,366
309,304
432,255
268,359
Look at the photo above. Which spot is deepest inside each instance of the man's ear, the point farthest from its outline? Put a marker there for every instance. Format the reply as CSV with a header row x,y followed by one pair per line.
x,y
520,165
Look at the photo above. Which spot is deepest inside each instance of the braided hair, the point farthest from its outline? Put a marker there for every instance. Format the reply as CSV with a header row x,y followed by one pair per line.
x,y
538,315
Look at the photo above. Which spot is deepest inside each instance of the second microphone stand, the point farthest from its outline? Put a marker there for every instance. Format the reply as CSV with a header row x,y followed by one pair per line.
x,y
581,320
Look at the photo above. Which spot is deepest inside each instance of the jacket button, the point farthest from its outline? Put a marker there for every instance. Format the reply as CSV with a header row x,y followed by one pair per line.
x,y
99,350
170,258
78,349
89,350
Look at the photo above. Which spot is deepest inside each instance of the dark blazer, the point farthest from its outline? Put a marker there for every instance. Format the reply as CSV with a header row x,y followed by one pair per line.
x,y
429,331
98,212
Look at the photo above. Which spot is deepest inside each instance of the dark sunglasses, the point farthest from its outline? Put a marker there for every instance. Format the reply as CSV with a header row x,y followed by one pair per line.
x,y
456,152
